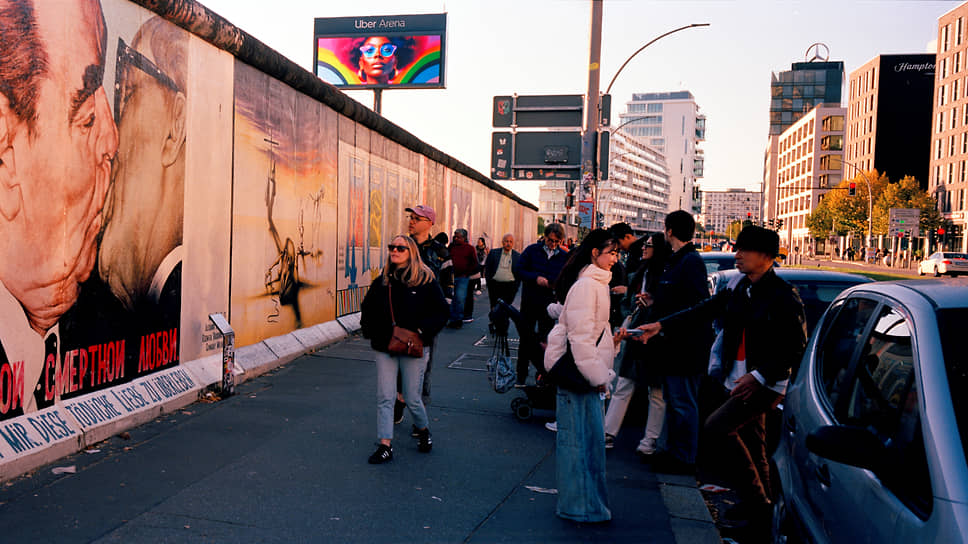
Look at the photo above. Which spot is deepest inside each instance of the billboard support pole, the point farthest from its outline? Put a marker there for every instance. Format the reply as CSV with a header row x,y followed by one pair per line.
x,y
589,169
378,101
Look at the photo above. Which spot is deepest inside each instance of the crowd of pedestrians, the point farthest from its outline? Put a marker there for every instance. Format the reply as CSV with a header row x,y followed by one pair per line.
x,y
641,304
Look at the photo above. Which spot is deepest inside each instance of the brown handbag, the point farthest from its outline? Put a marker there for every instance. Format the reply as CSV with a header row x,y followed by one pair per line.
x,y
403,341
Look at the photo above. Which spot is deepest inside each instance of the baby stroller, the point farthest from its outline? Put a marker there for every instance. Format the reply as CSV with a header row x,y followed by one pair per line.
x,y
540,396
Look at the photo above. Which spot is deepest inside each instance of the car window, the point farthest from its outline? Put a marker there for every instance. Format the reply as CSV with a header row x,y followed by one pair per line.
x,y
884,400
816,296
955,256
952,324
841,340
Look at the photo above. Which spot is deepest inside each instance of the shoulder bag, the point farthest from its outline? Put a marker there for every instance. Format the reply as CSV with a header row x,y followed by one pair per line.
x,y
402,341
565,373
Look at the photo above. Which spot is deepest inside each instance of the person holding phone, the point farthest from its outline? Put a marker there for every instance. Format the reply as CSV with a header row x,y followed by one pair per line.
x,y
634,368
584,328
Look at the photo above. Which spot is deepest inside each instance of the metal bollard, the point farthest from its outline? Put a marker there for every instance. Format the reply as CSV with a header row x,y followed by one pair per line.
x,y
228,354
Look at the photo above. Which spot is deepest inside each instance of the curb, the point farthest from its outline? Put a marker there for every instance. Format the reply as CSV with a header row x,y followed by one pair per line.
x,y
688,514
36,439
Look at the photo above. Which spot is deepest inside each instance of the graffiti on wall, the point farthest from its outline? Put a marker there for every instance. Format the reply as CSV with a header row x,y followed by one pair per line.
x,y
284,208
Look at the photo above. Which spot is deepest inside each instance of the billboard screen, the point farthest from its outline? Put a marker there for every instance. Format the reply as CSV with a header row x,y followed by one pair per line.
x,y
396,51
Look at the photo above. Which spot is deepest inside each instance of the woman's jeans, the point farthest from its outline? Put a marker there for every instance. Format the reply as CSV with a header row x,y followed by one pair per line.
x,y
412,369
580,457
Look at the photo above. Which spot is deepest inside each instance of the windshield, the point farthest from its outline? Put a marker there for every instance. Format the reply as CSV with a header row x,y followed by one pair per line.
x,y
952,323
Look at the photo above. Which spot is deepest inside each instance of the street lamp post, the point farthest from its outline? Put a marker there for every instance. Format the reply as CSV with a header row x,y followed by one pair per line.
x,y
870,202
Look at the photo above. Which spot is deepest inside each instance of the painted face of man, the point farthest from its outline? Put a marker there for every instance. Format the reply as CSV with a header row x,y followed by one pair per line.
x,y
147,179
60,169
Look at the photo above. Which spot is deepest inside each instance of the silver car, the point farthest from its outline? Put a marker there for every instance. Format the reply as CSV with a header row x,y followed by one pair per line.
x,y
875,426
942,263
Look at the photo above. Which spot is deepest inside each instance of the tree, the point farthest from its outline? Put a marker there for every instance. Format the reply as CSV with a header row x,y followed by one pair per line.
x,y
732,231
842,213
906,193
541,226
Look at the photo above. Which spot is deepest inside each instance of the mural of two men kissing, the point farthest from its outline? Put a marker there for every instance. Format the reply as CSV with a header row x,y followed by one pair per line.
x,y
91,200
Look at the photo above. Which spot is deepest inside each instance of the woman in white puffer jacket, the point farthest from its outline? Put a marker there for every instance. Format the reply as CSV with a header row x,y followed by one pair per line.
x,y
580,442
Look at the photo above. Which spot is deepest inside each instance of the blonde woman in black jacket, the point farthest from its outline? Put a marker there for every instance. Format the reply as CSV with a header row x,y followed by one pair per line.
x,y
418,305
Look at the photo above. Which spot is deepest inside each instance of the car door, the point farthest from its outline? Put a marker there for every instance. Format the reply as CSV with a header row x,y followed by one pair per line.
x,y
827,496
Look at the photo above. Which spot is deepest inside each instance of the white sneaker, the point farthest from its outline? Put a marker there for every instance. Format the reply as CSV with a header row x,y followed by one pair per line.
x,y
552,426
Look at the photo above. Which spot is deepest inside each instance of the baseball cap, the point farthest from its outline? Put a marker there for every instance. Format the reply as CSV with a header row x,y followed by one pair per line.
x,y
424,211
753,238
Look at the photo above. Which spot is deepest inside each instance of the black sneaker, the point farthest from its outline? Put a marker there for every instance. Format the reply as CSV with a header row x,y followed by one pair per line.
x,y
398,408
425,442
382,455
609,441
414,431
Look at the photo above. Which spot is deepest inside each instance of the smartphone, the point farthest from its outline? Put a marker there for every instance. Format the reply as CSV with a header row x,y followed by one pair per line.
x,y
634,332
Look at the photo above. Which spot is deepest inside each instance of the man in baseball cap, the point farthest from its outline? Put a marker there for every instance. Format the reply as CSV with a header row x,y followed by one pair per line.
x,y
435,255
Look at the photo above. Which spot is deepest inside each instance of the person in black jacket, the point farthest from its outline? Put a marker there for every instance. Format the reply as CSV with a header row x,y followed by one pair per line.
x,y
763,338
684,355
405,295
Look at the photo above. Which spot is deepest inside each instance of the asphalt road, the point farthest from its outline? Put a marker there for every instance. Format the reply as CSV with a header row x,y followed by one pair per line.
x,y
284,460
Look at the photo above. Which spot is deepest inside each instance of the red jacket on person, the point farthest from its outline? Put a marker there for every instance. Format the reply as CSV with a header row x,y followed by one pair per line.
x,y
464,258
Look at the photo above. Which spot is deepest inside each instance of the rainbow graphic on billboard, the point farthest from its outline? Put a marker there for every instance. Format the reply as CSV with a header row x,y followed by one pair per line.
x,y
381,52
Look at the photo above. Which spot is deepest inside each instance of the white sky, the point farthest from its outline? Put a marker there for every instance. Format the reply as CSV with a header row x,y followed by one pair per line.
x,y
497,47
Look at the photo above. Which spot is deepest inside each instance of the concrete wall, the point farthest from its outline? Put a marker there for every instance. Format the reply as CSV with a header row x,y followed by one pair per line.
x,y
160,165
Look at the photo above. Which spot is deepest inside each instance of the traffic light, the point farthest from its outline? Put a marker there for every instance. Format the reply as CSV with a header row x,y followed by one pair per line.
x,y
569,201
852,189
779,224
940,231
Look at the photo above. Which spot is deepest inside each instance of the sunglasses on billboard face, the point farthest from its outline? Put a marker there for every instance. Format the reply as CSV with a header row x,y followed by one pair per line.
x,y
386,50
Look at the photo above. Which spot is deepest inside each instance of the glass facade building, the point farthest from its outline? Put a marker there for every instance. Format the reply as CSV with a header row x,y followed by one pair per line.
x,y
795,92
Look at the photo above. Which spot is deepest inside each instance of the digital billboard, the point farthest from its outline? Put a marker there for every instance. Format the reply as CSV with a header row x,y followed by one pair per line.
x,y
394,51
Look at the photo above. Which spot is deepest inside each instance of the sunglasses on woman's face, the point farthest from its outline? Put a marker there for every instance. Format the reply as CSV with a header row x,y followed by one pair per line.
x,y
386,50
401,249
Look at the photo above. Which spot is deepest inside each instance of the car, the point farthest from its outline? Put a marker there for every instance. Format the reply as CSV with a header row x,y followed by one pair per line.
x,y
875,425
945,262
817,288
718,260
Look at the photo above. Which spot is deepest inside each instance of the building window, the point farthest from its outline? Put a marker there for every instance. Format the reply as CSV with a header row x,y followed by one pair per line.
x,y
945,31
654,108
954,91
964,142
964,167
940,121
958,31
834,142
954,116
941,96
951,146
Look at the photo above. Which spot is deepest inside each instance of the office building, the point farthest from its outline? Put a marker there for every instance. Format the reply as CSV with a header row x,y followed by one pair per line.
x,y
670,122
796,91
768,194
720,208
809,157
949,127
889,117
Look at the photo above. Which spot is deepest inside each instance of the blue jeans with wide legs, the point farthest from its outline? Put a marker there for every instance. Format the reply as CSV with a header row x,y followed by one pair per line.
x,y
580,457
682,417
412,369
460,295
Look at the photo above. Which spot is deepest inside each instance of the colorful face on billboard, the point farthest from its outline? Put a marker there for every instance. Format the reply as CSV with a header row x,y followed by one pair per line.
x,y
381,52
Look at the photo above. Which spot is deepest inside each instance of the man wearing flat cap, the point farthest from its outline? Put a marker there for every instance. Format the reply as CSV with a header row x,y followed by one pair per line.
x,y
763,338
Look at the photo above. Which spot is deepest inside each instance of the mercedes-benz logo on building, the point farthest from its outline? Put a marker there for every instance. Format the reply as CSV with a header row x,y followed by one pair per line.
x,y
818,51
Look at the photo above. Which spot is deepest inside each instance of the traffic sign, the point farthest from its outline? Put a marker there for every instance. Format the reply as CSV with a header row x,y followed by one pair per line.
x,y
550,110
501,148
903,221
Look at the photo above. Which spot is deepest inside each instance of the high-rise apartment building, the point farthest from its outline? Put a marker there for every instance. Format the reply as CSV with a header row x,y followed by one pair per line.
x,y
948,176
889,116
720,208
671,123
637,190
795,92
809,156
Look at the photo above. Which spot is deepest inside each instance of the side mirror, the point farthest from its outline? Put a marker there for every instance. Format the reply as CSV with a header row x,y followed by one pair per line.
x,y
854,446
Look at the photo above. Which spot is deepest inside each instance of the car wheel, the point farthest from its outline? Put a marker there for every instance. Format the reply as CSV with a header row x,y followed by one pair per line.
x,y
783,529
937,273
920,271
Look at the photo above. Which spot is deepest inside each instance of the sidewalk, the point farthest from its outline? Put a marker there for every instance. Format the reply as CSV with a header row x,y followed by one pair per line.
x,y
284,460
858,265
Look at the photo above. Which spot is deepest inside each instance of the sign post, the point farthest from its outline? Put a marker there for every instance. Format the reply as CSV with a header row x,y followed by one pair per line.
x,y
228,354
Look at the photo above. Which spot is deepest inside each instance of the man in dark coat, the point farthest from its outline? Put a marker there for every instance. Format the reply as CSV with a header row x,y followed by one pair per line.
x,y
763,339
685,356
538,268
499,267
619,284
463,257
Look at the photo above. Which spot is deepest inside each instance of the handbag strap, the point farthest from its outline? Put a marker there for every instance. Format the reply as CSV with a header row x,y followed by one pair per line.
x,y
393,320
